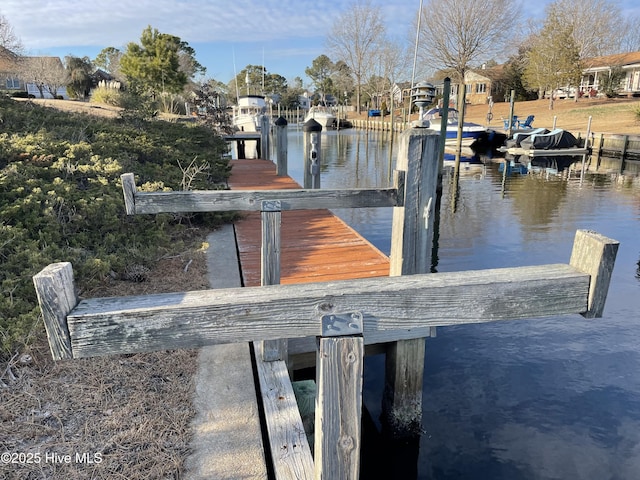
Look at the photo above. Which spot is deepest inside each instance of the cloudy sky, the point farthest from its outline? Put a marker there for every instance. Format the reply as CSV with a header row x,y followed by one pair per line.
x,y
288,34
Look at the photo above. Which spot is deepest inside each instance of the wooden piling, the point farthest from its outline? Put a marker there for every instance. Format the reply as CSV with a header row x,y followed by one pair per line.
x,y
411,247
312,153
281,147
594,254
263,148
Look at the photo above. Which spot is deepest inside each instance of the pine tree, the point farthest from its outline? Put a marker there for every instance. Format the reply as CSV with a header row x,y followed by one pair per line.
x,y
153,66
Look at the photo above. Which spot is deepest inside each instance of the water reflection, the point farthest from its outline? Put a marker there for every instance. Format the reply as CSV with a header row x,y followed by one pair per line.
x,y
539,399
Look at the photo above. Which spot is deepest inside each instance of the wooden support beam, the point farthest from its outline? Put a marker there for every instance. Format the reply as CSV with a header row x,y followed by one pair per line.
x,y
270,270
337,438
56,291
411,246
129,190
402,305
290,451
595,254
244,200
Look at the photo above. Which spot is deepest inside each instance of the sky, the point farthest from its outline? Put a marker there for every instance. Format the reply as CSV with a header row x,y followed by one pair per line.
x,y
227,35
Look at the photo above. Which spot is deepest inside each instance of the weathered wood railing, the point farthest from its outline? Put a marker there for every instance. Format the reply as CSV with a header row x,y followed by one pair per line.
x,y
343,315
380,309
390,307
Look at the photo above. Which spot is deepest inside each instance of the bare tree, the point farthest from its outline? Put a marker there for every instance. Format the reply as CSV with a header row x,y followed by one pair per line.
x,y
463,32
630,41
8,38
355,38
595,24
390,62
46,73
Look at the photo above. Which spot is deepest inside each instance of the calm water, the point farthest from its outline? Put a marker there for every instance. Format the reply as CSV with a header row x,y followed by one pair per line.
x,y
557,398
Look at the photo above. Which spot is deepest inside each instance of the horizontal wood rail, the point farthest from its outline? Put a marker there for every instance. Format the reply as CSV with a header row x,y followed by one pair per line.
x,y
243,200
116,325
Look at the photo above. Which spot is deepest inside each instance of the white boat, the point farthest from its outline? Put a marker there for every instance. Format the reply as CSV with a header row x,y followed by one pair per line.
x,y
470,131
323,115
247,114
247,117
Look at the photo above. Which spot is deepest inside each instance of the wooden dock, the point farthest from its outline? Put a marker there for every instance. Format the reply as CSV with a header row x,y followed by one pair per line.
x,y
316,246
332,298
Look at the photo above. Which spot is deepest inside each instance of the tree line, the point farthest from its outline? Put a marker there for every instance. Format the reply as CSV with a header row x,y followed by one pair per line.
x,y
363,59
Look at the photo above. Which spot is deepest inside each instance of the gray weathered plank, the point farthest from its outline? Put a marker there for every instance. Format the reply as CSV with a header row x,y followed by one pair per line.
x,y
595,254
290,451
337,438
55,288
244,200
103,326
129,190
270,269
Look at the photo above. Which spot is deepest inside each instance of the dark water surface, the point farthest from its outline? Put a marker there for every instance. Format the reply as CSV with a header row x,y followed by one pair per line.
x,y
555,398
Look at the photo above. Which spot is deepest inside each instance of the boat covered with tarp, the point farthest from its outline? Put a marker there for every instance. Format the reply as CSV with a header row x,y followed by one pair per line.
x,y
553,140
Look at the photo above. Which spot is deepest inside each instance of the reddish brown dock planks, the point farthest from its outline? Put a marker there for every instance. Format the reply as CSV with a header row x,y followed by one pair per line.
x,y
316,246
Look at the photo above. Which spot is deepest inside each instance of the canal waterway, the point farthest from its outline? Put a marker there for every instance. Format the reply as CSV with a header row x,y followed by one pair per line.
x,y
540,399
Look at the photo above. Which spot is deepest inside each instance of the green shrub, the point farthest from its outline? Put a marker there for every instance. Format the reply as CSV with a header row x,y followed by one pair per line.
x,y
61,199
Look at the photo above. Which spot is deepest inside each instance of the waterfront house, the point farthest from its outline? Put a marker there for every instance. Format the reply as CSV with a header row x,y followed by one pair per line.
x,y
481,85
598,69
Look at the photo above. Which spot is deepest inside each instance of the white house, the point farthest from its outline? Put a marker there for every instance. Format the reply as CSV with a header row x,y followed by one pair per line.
x,y
597,70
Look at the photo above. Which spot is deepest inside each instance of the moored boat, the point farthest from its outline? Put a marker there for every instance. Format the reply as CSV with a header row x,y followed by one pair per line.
x,y
470,131
542,143
323,115
246,115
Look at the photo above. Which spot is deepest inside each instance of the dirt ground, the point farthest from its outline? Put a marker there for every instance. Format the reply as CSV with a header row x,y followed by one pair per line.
x,y
122,417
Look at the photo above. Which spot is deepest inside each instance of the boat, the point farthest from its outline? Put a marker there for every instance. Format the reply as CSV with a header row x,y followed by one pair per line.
x,y
520,135
323,115
544,143
247,117
248,112
470,131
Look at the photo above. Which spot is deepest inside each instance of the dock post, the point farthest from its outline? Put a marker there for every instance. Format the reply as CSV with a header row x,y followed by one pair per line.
x,y
263,148
272,350
55,288
312,153
339,364
281,147
594,254
411,248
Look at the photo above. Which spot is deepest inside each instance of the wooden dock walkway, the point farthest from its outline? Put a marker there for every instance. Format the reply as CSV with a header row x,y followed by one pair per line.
x,y
317,246
312,249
